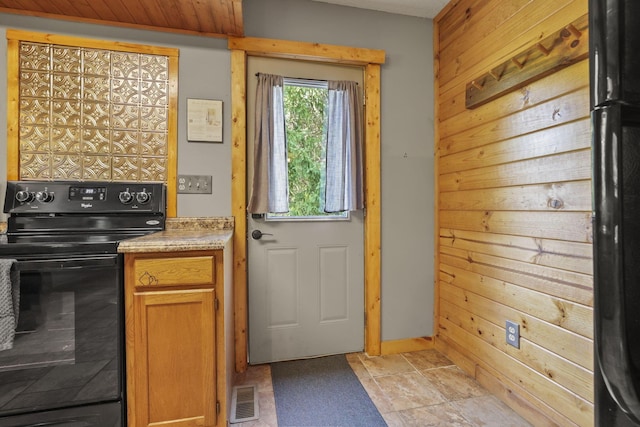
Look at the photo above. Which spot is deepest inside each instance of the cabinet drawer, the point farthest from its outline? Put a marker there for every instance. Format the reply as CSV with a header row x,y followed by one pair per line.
x,y
175,271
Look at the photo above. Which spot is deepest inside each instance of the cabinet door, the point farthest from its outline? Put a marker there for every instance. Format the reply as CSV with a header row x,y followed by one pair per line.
x,y
174,358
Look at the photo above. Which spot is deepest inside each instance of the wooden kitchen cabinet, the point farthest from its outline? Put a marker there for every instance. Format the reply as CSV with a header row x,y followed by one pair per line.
x,y
173,316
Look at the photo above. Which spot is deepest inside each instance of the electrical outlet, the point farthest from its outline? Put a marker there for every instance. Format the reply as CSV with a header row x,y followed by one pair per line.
x,y
513,334
194,184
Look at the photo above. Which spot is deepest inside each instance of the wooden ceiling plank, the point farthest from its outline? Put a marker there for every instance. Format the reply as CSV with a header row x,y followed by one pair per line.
x,y
212,8
98,9
207,12
190,12
217,18
29,5
228,19
221,16
130,11
173,10
157,13
139,13
238,28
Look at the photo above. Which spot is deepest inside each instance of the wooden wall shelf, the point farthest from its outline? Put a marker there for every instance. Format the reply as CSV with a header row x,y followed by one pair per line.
x,y
561,49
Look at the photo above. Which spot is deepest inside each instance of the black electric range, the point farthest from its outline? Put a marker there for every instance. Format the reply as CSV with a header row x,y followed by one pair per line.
x,y
62,341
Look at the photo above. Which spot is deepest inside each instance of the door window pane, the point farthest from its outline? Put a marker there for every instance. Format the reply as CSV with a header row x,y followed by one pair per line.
x,y
305,104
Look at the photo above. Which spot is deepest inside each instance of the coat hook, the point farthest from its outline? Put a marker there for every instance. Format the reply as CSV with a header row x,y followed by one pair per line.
x,y
494,75
543,49
518,63
573,30
476,85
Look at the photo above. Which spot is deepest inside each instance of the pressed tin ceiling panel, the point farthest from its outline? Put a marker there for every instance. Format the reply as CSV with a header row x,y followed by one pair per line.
x,y
205,17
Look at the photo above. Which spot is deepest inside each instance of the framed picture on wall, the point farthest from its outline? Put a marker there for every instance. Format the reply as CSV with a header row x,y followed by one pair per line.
x,y
204,120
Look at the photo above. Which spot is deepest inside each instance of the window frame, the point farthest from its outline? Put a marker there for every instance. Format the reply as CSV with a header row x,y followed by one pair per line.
x,y
274,217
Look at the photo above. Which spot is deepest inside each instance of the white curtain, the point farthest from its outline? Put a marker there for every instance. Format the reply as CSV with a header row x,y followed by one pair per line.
x,y
270,188
344,176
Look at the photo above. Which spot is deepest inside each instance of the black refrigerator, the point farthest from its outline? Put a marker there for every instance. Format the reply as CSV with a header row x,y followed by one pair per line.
x,y
614,37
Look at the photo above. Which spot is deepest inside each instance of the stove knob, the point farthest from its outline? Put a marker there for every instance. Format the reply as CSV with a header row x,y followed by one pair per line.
x,y
44,196
143,197
125,197
24,196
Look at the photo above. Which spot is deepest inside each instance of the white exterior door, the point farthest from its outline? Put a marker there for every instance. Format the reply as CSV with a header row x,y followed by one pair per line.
x,y
306,289
305,277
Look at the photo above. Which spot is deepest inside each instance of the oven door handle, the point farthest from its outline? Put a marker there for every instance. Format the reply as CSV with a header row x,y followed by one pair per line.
x,y
66,263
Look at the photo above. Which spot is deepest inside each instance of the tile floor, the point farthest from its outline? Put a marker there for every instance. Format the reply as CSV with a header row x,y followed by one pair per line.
x,y
421,388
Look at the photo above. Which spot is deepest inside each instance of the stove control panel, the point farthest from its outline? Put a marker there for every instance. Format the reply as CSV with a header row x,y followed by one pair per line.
x,y
88,193
76,197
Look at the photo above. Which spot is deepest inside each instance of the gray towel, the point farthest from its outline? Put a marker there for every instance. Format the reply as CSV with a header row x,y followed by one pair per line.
x,y
9,302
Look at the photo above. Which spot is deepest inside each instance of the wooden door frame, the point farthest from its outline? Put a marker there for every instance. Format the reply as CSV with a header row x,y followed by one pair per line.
x,y
370,60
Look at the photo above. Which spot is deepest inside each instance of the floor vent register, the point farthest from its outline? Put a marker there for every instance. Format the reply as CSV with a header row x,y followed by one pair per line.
x,y
244,404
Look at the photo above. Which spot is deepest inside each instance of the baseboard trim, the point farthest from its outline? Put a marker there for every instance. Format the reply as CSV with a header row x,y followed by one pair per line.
x,y
406,345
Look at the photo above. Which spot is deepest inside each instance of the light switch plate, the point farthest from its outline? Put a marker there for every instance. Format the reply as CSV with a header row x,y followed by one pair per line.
x,y
194,184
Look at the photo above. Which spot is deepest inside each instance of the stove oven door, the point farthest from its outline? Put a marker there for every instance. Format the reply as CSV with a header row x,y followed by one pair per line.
x,y
65,366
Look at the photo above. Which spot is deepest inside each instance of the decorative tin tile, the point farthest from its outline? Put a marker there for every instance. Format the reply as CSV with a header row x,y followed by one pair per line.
x,y
35,56
125,65
65,112
153,144
35,84
96,168
96,141
35,165
153,168
154,93
67,167
96,88
66,139
125,116
66,86
153,119
96,62
125,91
92,114
125,168
34,111
95,114
66,59
124,142
34,139
154,67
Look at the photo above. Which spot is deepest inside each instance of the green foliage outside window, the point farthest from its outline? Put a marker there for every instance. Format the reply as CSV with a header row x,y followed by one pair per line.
x,y
305,106
305,112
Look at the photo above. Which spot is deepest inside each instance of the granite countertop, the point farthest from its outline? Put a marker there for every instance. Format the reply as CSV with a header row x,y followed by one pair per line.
x,y
184,234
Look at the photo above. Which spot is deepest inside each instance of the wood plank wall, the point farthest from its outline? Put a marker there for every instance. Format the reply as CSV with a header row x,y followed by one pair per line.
x,y
514,212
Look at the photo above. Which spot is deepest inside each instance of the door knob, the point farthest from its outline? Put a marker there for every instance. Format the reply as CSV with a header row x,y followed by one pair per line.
x,y
257,234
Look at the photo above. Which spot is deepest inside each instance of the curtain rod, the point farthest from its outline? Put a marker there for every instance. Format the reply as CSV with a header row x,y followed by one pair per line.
x,y
305,78
300,78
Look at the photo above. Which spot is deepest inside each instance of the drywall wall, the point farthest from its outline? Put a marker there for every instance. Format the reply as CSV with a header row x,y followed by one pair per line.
x,y
406,139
